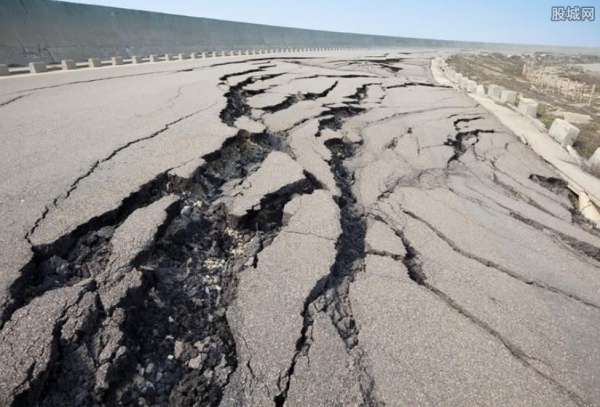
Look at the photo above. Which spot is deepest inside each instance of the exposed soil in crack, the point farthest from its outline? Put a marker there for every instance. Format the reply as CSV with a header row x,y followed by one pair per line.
x,y
289,101
555,185
293,99
236,98
411,84
330,294
175,347
464,139
560,188
169,340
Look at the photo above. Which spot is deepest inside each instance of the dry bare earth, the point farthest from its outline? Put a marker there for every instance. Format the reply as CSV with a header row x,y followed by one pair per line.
x,y
506,71
335,230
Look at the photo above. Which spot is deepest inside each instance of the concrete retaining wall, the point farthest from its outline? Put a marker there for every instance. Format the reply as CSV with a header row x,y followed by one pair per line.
x,y
50,31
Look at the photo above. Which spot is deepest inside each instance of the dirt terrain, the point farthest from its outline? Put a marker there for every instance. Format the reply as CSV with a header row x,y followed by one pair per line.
x,y
507,72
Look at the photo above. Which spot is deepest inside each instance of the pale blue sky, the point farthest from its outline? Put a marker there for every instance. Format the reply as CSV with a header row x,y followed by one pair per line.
x,y
509,21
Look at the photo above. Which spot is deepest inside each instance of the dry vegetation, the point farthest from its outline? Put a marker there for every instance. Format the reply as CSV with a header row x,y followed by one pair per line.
x,y
507,72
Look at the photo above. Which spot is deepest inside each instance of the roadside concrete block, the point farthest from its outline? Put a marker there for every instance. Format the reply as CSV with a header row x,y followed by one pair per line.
x,y
4,70
203,55
169,57
480,90
246,52
182,57
563,132
528,107
508,96
94,63
37,67
193,55
68,65
471,86
223,53
214,54
494,92
117,61
154,58
594,161
136,59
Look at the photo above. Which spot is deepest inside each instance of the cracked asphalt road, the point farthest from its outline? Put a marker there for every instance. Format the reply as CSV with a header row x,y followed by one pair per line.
x,y
331,230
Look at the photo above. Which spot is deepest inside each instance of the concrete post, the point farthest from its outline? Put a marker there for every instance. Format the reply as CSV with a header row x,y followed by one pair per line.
x,y
223,53
494,92
471,86
193,55
563,132
4,70
94,63
37,67
480,90
169,57
203,55
528,107
594,161
154,58
136,59
117,60
214,54
68,65
182,56
508,96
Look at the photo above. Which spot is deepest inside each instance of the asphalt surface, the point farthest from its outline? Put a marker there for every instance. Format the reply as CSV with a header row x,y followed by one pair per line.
x,y
336,229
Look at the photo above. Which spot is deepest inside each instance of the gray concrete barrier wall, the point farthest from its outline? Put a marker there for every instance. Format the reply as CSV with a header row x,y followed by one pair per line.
x,y
50,31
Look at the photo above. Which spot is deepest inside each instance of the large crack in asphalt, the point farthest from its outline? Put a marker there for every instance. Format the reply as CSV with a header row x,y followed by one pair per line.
x,y
293,99
236,98
488,263
8,102
585,250
414,265
464,139
560,187
330,295
170,340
